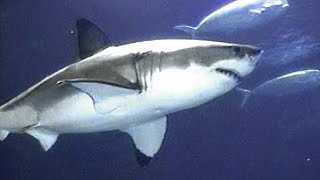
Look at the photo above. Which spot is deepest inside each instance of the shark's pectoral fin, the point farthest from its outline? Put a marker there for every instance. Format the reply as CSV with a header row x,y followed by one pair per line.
x,y
106,97
148,138
3,134
45,137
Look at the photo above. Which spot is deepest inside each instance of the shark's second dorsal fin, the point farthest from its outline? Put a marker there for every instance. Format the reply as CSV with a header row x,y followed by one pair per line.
x,y
91,38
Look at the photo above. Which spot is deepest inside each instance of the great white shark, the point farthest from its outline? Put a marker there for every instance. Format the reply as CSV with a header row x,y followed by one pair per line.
x,y
131,88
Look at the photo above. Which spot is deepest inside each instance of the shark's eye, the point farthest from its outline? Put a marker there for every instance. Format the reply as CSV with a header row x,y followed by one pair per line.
x,y
237,50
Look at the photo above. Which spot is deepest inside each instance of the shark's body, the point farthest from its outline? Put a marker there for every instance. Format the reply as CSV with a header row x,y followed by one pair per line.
x,y
237,16
129,88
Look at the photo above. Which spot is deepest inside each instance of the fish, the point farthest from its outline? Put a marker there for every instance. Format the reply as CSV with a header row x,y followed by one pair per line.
x,y
291,47
237,16
131,88
290,84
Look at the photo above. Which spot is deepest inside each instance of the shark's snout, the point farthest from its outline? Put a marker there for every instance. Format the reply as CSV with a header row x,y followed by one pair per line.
x,y
247,51
253,53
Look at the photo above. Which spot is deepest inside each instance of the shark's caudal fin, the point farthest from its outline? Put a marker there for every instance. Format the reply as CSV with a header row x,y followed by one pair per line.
x,y
245,94
188,29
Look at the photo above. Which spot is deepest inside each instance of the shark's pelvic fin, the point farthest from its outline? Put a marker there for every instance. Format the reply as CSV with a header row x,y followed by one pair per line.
x,y
148,138
99,92
3,134
45,137
91,38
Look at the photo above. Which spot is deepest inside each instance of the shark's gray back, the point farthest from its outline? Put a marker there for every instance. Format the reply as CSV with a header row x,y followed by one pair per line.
x,y
119,71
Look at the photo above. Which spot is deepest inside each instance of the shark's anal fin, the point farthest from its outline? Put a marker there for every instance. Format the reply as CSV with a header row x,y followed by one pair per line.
x,y
147,138
45,137
3,134
100,92
91,38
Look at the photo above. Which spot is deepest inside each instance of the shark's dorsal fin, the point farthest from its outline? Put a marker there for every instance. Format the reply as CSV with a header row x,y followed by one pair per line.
x,y
91,38
147,138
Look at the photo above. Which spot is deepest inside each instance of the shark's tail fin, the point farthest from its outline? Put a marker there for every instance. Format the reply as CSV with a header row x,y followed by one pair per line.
x,y
3,134
188,29
245,96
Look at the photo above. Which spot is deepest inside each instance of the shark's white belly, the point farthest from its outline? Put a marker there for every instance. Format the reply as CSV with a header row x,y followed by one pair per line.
x,y
77,114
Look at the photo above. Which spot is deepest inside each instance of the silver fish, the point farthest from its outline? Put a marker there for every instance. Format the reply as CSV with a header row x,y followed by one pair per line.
x,y
289,84
237,16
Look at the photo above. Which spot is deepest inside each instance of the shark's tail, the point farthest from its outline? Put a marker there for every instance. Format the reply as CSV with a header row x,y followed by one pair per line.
x,y
188,29
245,96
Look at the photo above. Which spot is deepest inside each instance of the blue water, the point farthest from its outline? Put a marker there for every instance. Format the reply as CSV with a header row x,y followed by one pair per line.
x,y
272,138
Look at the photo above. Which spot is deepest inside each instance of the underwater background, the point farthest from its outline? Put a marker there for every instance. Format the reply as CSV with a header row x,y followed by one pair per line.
x,y
271,138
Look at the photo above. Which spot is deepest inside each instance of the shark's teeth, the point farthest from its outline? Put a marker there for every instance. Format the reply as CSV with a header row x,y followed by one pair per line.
x,y
229,73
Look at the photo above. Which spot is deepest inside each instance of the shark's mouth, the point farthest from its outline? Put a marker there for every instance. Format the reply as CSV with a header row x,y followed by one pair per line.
x,y
230,73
